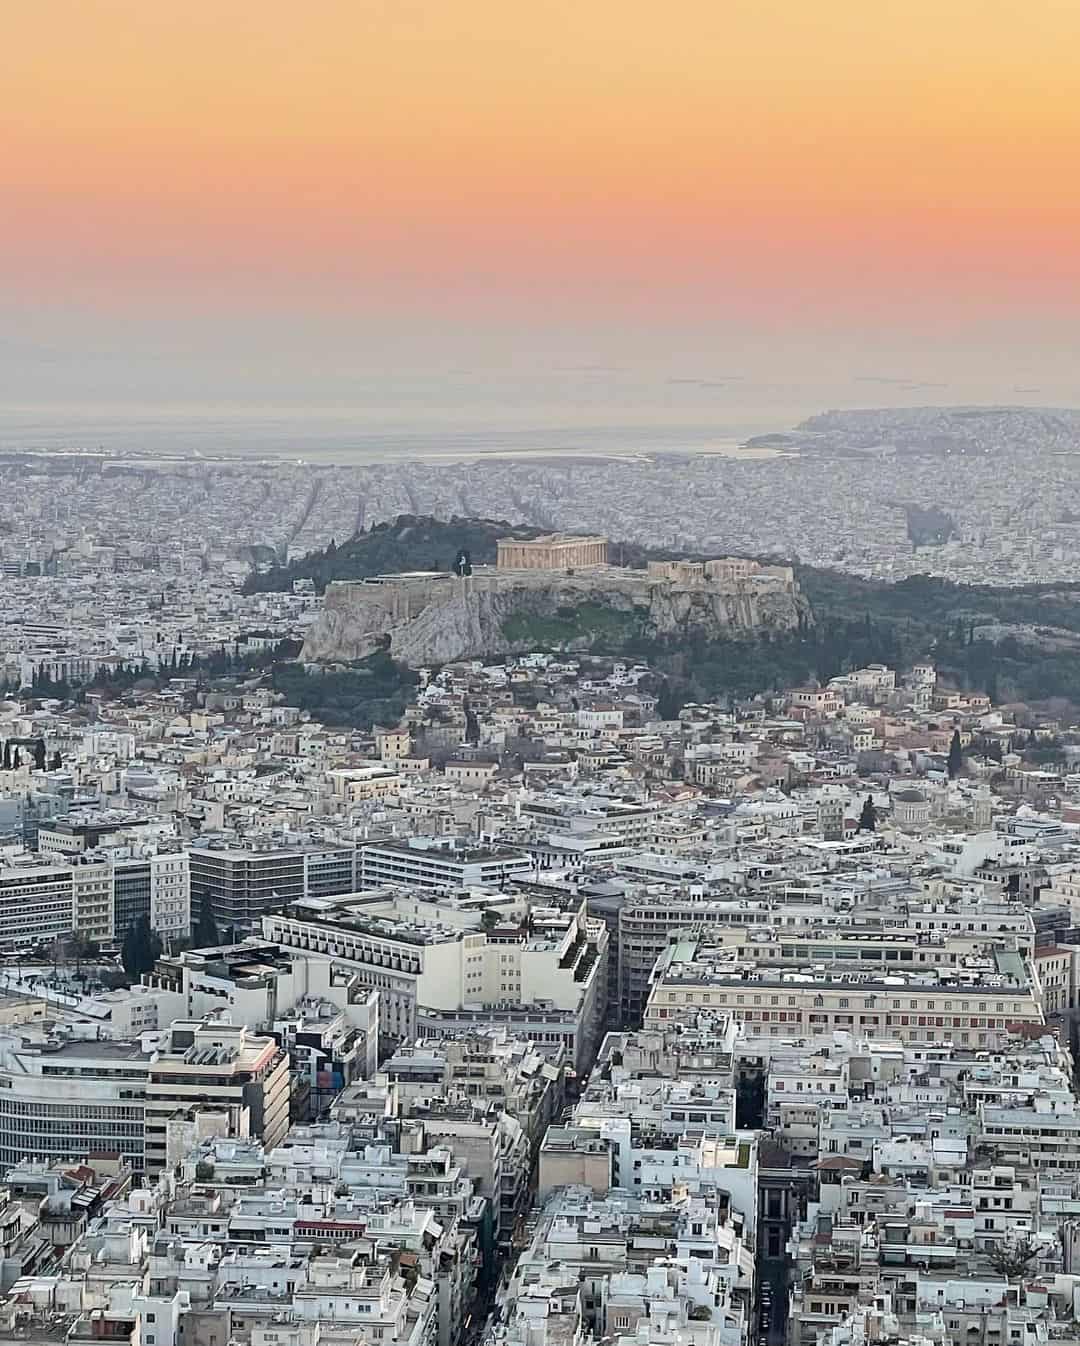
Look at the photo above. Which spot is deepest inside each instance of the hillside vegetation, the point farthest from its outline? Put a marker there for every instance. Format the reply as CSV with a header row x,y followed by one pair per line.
x,y
409,542
855,621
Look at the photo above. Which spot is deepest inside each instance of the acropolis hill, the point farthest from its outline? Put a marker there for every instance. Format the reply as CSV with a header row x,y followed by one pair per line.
x,y
550,592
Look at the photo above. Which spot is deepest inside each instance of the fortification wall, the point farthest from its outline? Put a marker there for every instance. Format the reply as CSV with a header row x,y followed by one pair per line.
x,y
447,618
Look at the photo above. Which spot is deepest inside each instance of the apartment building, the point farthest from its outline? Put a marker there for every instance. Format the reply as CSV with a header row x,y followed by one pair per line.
x,y
299,996
584,812
92,898
1042,1133
355,785
482,1068
170,894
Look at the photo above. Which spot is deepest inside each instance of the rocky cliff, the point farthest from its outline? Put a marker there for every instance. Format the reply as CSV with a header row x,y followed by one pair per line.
x,y
427,620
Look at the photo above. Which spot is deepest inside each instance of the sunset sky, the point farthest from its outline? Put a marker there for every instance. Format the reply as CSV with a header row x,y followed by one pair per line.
x,y
291,202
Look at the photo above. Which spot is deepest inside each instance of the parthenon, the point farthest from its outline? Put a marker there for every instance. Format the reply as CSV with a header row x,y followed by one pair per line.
x,y
555,551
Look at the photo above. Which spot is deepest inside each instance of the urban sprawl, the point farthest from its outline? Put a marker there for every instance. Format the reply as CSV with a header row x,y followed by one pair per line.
x,y
540,1014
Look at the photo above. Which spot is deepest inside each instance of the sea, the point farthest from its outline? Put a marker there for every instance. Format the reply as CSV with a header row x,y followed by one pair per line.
x,y
355,438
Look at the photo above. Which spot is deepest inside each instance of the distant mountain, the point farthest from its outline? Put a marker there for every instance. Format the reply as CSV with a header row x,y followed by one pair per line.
x,y
941,431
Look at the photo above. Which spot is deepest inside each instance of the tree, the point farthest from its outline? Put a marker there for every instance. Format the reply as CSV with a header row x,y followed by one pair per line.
x,y
7,755
141,948
956,755
55,763
206,931
668,703
1012,1258
39,754
868,816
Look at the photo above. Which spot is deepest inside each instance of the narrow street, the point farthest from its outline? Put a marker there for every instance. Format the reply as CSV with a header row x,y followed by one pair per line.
x,y
772,1320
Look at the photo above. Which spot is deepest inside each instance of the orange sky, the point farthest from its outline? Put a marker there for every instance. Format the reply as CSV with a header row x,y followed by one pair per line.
x,y
574,159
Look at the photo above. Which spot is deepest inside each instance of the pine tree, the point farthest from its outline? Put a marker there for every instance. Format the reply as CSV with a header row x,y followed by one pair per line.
x,y
55,764
956,755
7,755
141,948
868,816
206,931
39,754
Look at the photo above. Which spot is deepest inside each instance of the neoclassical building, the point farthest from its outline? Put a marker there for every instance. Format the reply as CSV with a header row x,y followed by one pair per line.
x,y
555,551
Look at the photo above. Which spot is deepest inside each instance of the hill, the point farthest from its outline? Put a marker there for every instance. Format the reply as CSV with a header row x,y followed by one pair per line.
x,y
409,542
1017,644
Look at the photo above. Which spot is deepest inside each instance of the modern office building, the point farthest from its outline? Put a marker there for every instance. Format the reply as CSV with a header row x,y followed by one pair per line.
x,y
62,1097
430,862
242,884
37,904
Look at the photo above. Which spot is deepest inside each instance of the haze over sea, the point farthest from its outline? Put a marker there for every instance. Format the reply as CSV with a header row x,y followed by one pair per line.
x,y
359,437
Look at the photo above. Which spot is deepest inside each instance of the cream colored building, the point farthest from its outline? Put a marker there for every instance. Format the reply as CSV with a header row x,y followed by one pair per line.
x,y
556,551
92,894
221,1066
472,774
435,956
1058,967
573,1156
357,784
392,744
921,1006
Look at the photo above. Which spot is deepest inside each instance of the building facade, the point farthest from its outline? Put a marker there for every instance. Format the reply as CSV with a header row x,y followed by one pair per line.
x,y
556,551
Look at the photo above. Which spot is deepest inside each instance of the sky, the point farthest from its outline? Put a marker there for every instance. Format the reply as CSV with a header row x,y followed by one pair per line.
x,y
567,209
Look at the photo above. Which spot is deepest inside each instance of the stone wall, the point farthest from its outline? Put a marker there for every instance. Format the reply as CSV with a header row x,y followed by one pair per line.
x,y
438,620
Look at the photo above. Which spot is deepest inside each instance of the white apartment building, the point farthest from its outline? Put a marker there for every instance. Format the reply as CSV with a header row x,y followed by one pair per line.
x,y
430,862
553,812
170,894
433,961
